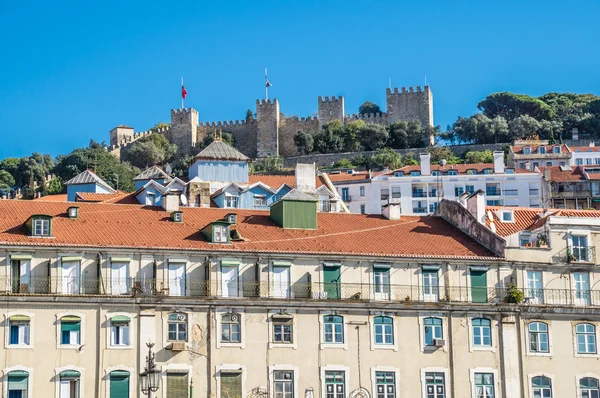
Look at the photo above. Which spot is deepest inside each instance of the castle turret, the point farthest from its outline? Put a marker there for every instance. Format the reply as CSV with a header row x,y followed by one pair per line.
x,y
330,109
121,133
267,115
410,105
183,131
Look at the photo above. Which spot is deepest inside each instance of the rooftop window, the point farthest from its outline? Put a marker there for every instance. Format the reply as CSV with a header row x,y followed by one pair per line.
x,y
398,173
452,172
556,149
542,150
526,150
509,171
415,173
508,216
472,171
488,171
40,225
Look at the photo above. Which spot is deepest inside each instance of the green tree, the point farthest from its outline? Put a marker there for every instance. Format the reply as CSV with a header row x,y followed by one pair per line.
x,y
373,136
304,142
249,116
351,135
209,138
343,164
144,154
267,165
480,129
10,165
524,126
485,156
330,139
32,171
6,179
386,157
510,105
443,152
158,126
368,107
55,186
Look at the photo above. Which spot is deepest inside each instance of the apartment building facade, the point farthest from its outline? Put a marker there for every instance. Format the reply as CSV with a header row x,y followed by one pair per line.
x,y
286,303
571,187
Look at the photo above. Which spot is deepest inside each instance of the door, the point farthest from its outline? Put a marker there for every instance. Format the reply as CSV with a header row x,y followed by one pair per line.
x,y
345,194
176,279
381,280
582,288
21,276
478,286
580,249
534,287
431,288
69,389
71,274
229,275
118,278
281,282
331,282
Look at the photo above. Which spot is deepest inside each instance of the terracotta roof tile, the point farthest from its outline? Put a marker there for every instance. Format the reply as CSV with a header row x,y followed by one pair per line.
x,y
275,181
119,198
128,226
558,174
61,197
583,149
345,177
518,149
461,168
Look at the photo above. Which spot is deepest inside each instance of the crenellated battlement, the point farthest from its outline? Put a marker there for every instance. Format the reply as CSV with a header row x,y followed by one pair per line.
x,y
302,119
332,99
266,101
222,124
375,118
183,111
405,90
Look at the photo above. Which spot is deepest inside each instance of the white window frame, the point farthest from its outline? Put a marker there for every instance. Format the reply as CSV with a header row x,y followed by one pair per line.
x,y
376,346
335,368
527,342
218,314
230,198
57,373
132,380
165,320
176,367
272,343
447,380
530,377
496,384
109,344
7,344
323,344
260,198
5,373
444,318
289,368
511,218
42,222
230,367
577,354
582,376
526,287
223,234
391,369
493,333
81,344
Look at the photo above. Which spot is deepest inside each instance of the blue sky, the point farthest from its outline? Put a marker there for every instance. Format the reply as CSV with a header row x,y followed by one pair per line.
x,y
72,72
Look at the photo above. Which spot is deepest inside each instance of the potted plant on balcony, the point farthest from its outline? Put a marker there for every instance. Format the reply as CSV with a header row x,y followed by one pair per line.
x,y
570,256
542,240
514,295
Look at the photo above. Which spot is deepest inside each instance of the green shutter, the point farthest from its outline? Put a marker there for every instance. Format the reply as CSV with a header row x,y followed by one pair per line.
x,y
120,318
120,259
69,374
21,257
119,384
231,384
279,263
331,281
18,380
479,286
21,318
69,326
177,385
70,318
382,266
230,263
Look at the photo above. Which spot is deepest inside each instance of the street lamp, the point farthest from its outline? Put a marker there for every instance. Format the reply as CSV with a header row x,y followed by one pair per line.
x,y
150,378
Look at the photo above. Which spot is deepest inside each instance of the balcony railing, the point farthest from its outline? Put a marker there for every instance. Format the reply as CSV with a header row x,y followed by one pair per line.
x,y
511,192
347,198
419,194
576,255
534,192
419,209
41,286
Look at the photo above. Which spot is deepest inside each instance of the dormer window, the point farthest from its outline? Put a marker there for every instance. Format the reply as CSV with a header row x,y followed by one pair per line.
x,y
415,173
556,149
488,171
73,212
177,216
398,173
542,150
509,171
508,216
220,234
452,172
436,173
472,171
231,218
526,150
40,225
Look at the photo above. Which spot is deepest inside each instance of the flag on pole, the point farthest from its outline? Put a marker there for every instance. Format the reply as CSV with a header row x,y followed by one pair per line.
x,y
183,92
268,83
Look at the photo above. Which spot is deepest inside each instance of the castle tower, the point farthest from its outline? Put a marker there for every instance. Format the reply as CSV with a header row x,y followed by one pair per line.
x,y
267,117
121,133
408,105
330,109
183,131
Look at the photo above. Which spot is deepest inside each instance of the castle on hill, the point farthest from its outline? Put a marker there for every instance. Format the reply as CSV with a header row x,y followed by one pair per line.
x,y
271,133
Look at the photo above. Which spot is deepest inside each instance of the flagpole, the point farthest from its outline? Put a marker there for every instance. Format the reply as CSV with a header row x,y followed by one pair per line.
x,y
266,85
182,99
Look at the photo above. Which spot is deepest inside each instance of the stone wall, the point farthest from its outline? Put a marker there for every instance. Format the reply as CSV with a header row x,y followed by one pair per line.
x,y
410,105
267,114
183,131
244,133
289,126
330,109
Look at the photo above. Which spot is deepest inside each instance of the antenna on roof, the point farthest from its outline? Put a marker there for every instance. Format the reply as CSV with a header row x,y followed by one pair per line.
x,y
390,82
425,80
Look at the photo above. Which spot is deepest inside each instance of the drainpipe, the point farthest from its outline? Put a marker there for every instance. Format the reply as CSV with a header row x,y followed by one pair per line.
x,y
191,388
451,355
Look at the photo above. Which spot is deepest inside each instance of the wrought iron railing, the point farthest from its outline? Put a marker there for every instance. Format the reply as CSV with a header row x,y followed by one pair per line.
x,y
576,255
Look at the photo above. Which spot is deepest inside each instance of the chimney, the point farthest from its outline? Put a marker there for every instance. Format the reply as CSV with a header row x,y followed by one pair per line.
x,y
425,164
305,177
547,174
498,162
170,201
391,211
476,205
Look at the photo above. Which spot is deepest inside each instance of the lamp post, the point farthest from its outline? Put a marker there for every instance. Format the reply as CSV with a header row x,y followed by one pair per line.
x,y
442,163
150,378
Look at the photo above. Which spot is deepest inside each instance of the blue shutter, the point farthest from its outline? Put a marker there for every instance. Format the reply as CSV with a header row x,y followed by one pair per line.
x,y
14,334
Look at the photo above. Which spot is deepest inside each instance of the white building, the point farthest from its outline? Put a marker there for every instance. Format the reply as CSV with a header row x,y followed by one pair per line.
x,y
585,155
418,189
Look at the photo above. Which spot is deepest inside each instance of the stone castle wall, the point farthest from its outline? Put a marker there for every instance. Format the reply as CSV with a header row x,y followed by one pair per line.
x,y
289,127
244,133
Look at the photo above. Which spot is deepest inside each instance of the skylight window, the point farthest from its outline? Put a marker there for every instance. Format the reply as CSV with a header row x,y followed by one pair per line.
x,y
508,216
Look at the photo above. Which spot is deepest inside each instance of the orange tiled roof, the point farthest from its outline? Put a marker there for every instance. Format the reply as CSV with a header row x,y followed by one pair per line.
x,y
461,168
61,197
518,149
120,197
559,175
126,226
275,181
527,219
583,149
344,177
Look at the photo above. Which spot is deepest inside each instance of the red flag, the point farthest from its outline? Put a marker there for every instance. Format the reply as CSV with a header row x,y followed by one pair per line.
x,y
183,92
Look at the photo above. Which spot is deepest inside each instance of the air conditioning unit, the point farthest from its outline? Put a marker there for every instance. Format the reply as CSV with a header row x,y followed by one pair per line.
x,y
178,346
439,342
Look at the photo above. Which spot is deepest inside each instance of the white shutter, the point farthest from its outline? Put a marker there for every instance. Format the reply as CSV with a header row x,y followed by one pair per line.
x,y
124,334
65,389
74,337
113,335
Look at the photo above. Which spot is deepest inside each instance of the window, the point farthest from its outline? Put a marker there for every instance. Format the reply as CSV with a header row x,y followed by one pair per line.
x,y
396,194
231,383
588,161
362,209
430,285
542,150
579,162
452,172
345,194
69,384
432,330
220,234
385,193
538,337
177,385
484,385
415,173
582,287
524,239
18,384
282,329
482,332
230,328
435,385
177,327
541,386
384,330
556,149
119,331
362,191
548,164
579,249
381,282
586,338
509,170
458,191
283,384
334,329
398,173
534,286
522,165
335,384
119,384
260,200
589,388
471,171
488,171
231,202
526,150
41,227
19,330
385,384
150,198
536,164
70,330
597,161
470,189
508,216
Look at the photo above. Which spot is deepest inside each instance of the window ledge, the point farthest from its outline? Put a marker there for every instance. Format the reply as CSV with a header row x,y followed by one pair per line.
x,y
483,348
282,345
230,345
385,347
18,346
116,347
583,355
324,346
539,354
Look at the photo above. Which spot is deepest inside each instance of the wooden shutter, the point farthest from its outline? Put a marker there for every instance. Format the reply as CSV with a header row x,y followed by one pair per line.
x,y
478,286
177,385
231,384
119,384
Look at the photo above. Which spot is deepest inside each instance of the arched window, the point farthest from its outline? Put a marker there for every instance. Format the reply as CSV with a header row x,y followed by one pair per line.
x,y
231,328
69,383
538,337
384,330
432,330
541,386
586,338
482,332
70,330
119,384
589,387
20,330
333,326
177,327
